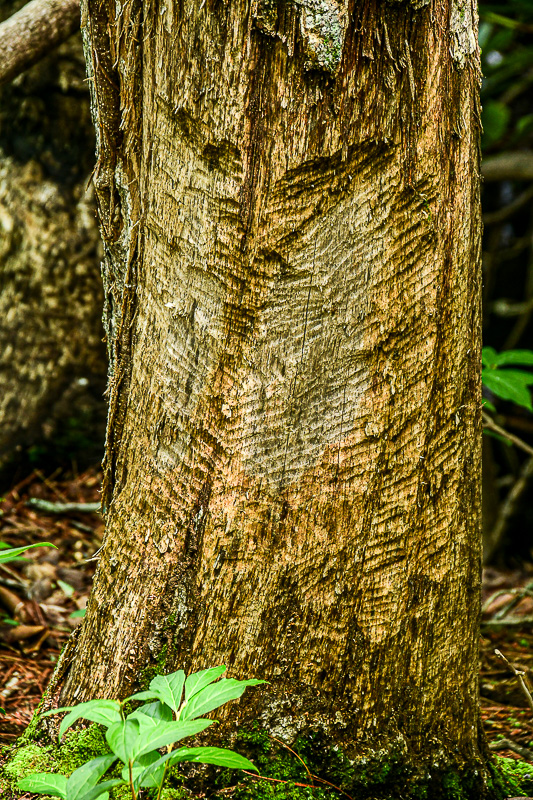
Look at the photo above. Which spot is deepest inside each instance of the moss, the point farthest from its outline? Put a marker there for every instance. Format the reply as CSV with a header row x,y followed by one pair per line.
x,y
377,775
77,747
518,773
27,759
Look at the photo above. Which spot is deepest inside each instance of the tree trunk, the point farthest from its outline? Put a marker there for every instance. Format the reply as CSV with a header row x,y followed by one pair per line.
x,y
52,360
289,203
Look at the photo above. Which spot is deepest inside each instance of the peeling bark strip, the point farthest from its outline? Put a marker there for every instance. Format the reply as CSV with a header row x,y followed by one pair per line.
x,y
32,32
289,203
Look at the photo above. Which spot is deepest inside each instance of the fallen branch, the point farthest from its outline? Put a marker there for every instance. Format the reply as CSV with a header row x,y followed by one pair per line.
x,y
63,508
33,31
507,744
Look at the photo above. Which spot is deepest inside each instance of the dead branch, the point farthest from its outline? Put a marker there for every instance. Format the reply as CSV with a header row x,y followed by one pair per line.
x,y
33,31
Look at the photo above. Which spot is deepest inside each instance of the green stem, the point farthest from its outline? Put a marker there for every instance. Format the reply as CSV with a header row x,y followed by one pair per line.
x,y
162,782
133,792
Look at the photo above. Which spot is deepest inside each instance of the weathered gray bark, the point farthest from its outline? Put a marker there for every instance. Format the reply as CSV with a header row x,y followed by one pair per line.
x,y
52,360
289,204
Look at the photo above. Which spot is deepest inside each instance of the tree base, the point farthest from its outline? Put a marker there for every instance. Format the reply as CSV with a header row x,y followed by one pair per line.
x,y
307,771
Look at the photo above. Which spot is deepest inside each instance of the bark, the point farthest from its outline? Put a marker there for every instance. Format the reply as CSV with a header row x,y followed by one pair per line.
x,y
289,202
52,360
33,31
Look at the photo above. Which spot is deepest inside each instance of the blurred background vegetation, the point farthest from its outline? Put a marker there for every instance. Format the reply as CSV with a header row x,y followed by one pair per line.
x,y
506,39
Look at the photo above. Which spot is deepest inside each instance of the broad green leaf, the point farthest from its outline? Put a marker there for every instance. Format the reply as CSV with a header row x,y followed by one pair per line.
x,y
214,696
169,688
489,356
88,776
147,695
45,783
214,755
522,357
167,733
199,680
516,376
105,712
123,739
157,710
100,790
203,755
14,552
500,385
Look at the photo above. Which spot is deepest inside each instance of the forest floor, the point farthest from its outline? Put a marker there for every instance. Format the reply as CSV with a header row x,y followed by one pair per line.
x,y
42,600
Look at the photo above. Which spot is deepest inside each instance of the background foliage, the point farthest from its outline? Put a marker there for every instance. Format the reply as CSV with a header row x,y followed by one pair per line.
x,y
506,39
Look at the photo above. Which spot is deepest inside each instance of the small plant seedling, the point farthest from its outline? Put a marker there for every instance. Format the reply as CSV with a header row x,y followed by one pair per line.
x,y
172,713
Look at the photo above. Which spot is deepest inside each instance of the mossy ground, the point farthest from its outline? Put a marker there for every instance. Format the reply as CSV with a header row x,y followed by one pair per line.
x,y
285,775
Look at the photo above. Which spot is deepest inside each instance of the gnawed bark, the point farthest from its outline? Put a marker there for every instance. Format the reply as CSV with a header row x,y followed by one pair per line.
x,y
52,360
290,210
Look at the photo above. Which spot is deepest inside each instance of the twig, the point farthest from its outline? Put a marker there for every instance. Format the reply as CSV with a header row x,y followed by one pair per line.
x,y
300,759
508,506
520,675
33,31
492,426
507,744
510,622
502,214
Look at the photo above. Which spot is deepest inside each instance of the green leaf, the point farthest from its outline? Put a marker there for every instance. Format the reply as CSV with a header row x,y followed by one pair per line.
x,y
100,790
489,356
490,406
146,695
508,389
157,710
87,776
79,613
203,755
105,712
214,755
138,736
169,688
66,588
13,552
123,739
199,680
167,733
214,696
522,357
518,376
45,783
